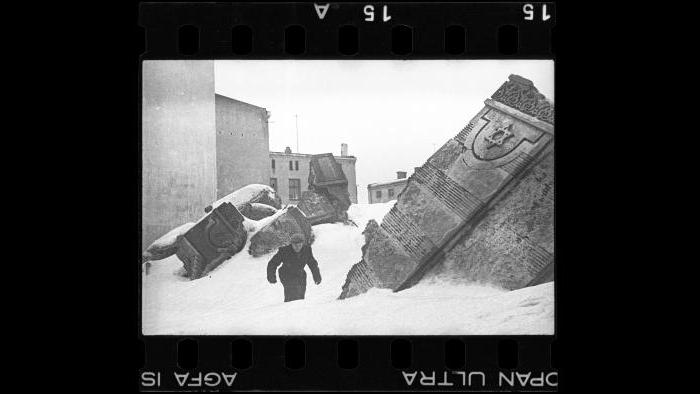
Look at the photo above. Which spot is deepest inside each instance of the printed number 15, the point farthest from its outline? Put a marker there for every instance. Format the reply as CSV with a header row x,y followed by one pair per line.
x,y
528,9
369,12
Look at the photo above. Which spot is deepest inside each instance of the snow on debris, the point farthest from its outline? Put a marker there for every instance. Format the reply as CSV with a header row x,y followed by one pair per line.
x,y
236,299
171,236
244,194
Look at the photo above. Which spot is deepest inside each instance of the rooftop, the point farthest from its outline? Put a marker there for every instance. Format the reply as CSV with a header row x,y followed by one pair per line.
x,y
309,155
387,183
238,101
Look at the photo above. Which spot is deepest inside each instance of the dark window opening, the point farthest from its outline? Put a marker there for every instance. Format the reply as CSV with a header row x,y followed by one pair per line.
x,y
273,164
296,165
294,189
273,183
290,166
391,193
378,194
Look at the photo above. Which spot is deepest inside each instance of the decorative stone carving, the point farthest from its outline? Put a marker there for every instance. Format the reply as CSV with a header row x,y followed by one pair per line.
x,y
513,244
498,137
451,194
212,240
522,95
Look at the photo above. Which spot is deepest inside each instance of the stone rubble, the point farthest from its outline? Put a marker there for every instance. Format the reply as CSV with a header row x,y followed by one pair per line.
x,y
257,211
328,199
480,208
213,239
278,233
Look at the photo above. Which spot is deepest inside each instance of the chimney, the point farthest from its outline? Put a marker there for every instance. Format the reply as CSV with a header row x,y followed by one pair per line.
x,y
287,150
400,174
343,150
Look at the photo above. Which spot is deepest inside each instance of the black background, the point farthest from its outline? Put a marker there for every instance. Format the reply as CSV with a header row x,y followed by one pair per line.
x,y
589,352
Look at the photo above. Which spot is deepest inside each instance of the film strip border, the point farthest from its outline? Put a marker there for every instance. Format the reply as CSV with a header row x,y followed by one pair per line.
x,y
342,363
348,30
289,31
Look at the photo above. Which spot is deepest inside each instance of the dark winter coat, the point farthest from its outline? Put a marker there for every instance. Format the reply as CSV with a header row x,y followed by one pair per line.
x,y
292,270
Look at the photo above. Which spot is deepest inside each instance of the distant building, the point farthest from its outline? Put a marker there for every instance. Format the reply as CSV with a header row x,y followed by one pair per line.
x,y
289,173
178,144
386,191
242,145
198,146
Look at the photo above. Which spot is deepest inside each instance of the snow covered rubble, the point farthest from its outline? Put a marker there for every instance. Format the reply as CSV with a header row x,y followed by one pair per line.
x,y
235,298
253,193
167,244
254,201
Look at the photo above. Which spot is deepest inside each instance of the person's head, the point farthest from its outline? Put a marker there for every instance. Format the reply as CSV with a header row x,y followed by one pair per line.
x,y
297,242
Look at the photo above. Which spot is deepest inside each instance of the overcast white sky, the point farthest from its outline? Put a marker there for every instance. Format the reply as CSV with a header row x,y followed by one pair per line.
x,y
392,114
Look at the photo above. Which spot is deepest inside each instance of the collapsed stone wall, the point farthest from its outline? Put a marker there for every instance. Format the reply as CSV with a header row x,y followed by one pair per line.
x,y
461,185
279,232
360,278
515,240
327,200
220,233
212,240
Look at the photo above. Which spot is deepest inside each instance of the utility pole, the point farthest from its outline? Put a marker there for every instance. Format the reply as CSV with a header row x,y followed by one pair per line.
x,y
296,124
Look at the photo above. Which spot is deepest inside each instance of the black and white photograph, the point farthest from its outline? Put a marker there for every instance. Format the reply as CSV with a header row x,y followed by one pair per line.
x,y
347,197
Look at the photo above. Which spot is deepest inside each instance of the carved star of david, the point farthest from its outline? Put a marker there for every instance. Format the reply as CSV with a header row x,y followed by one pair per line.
x,y
499,136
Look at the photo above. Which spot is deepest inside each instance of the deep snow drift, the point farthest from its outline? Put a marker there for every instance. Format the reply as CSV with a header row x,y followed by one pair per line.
x,y
236,299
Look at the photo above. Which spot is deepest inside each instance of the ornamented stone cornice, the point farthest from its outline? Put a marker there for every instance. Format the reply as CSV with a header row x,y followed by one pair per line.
x,y
521,94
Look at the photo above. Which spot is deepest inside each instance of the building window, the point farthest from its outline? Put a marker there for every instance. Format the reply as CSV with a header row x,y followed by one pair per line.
x,y
273,182
294,189
290,166
296,165
391,193
378,194
273,164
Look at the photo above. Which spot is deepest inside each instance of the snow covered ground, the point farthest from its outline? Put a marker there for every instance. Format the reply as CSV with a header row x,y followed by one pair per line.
x,y
236,299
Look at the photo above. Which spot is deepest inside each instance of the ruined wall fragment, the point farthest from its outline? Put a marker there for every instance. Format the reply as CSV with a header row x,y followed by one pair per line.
x,y
452,193
328,199
360,278
513,245
279,232
212,240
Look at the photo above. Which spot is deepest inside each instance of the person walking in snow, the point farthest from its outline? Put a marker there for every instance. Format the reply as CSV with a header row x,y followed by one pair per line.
x,y
293,257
